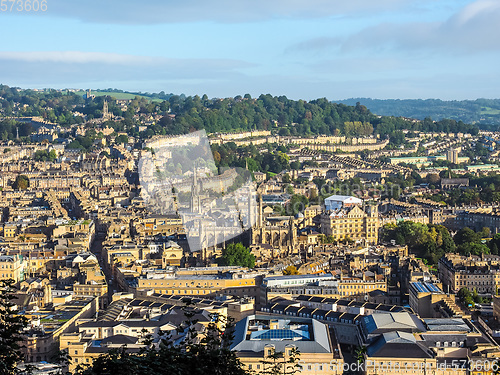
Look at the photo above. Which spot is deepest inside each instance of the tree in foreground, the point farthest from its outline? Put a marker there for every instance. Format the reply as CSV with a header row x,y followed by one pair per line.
x,y
235,254
277,363
359,354
11,327
197,355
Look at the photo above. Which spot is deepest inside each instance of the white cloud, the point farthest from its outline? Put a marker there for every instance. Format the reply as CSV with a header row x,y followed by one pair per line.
x,y
474,10
67,67
473,28
75,57
175,11
81,58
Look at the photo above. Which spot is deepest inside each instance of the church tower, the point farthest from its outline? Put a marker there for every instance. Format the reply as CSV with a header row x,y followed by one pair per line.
x,y
105,111
251,208
260,211
195,195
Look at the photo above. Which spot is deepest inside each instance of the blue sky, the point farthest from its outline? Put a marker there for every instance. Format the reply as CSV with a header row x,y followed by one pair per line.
x,y
447,49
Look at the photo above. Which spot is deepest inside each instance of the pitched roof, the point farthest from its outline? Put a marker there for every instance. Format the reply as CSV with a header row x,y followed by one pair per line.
x,y
397,344
319,341
392,321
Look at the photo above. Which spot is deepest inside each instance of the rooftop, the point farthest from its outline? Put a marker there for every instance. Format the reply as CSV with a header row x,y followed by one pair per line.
x,y
254,332
425,287
392,321
447,324
397,344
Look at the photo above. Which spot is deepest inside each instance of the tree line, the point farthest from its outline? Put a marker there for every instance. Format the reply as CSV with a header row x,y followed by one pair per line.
x,y
483,111
180,114
431,242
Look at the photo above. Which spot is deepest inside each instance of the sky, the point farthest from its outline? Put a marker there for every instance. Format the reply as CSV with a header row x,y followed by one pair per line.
x,y
338,49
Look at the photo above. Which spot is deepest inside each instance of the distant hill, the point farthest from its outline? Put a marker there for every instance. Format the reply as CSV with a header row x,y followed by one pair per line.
x,y
479,111
280,115
120,94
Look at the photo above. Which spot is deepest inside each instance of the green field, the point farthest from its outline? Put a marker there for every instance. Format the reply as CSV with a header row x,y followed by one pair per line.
x,y
490,111
117,95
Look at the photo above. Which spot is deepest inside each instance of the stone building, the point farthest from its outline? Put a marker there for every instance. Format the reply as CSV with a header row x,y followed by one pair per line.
x,y
351,221
473,272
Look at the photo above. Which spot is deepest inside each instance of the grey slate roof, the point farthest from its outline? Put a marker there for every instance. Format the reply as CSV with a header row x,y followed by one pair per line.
x,y
319,343
392,321
397,344
447,324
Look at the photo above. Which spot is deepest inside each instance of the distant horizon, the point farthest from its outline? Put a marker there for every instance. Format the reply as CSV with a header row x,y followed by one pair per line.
x,y
167,92
445,49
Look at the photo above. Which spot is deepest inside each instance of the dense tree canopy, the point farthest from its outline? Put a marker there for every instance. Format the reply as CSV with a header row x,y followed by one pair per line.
x,y
431,242
290,270
297,204
466,297
427,241
22,182
44,155
51,105
291,117
235,254
274,160
179,114
494,244
121,139
482,189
